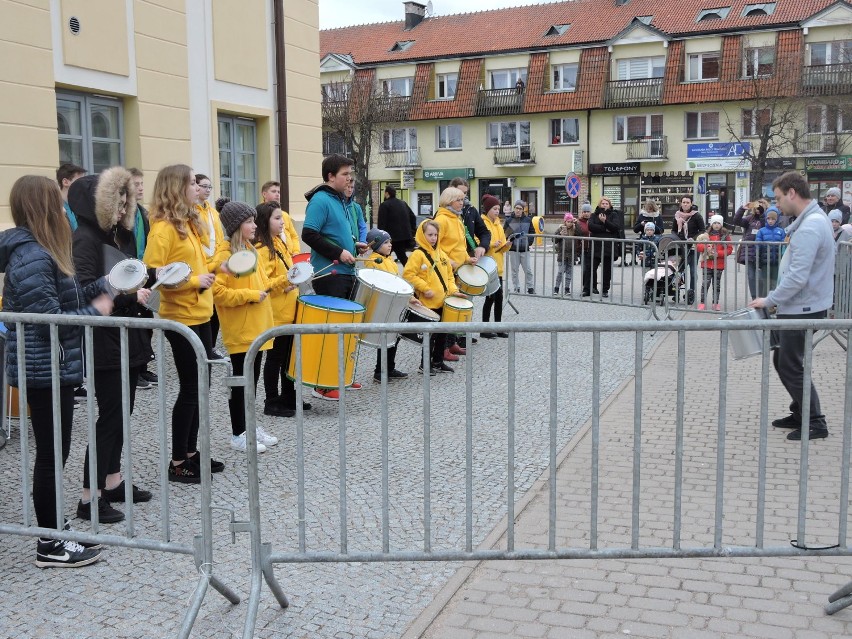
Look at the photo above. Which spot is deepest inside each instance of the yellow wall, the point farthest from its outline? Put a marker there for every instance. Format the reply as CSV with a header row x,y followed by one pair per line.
x,y
241,42
700,45
828,34
103,27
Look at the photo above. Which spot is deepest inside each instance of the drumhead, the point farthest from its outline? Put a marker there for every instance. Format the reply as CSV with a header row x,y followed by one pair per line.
x,y
473,275
422,311
242,262
301,257
174,273
487,263
385,281
458,303
129,274
300,273
331,303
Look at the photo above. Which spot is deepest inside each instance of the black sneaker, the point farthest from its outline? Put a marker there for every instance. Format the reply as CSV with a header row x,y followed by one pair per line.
x,y
106,513
605,294
444,368
813,433
215,466
80,392
186,473
117,494
143,384
503,335
149,377
531,291
488,335
432,371
275,408
790,421
84,544
54,553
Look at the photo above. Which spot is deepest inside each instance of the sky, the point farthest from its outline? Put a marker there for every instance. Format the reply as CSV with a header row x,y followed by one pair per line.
x,y
345,13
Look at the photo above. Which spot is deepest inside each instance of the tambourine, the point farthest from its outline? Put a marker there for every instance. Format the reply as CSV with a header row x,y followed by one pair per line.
x,y
128,276
173,275
301,275
242,263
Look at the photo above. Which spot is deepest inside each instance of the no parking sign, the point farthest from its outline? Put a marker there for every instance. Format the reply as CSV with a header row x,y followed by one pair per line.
x,y
573,185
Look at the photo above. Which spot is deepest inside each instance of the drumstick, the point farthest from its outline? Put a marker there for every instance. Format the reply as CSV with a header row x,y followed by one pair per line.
x,y
377,260
333,272
327,266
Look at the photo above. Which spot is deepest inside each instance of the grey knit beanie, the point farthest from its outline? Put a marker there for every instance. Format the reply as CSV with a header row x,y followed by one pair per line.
x,y
232,214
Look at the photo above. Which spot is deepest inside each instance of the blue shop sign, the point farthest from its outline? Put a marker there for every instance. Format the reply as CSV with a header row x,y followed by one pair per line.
x,y
716,150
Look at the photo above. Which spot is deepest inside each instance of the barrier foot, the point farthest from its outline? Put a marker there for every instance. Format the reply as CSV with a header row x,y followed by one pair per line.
x,y
838,605
269,575
843,592
224,590
194,607
206,571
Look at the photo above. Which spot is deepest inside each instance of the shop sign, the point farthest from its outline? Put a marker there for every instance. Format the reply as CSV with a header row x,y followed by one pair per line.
x,y
434,175
407,179
716,150
719,164
840,163
614,168
781,164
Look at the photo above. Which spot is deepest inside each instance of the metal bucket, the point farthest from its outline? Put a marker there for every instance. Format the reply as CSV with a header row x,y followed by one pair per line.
x,y
746,343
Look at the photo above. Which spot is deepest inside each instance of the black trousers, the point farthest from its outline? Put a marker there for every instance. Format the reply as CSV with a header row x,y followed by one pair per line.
x,y
237,403
275,371
789,362
185,411
495,300
335,285
590,271
41,418
109,429
391,358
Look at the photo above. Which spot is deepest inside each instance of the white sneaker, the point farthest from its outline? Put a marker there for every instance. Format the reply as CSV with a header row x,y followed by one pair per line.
x,y
238,442
265,438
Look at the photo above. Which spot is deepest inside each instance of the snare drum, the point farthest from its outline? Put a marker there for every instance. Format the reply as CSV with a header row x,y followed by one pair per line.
x,y
384,297
319,365
242,263
128,276
489,265
300,275
415,313
746,343
301,257
472,279
457,309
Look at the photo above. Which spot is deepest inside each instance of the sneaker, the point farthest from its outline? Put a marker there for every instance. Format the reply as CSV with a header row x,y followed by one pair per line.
x,y
585,294
790,421
455,349
596,291
394,374
117,494
354,386
449,356
531,291
432,371
605,294
701,306
82,543
54,553
488,335
443,368
813,433
503,335
215,466
275,408
331,394
142,384
238,442
148,376
265,438
556,292
80,392
106,513
216,355
717,307
185,473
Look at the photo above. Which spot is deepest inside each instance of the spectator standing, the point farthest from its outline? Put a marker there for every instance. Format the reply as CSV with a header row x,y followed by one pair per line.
x,y
769,256
688,225
713,258
833,200
751,217
398,220
604,224
65,176
518,230
565,247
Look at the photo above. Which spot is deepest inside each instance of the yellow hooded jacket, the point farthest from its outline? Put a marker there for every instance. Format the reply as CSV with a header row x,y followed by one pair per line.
x,y
498,236
187,303
290,237
422,275
451,238
242,315
387,264
283,304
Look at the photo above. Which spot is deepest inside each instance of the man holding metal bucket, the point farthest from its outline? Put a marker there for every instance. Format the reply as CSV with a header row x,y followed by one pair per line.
x,y
805,291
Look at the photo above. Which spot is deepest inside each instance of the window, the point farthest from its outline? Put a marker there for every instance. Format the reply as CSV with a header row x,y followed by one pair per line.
x,y
238,158
754,10
838,52
335,92
556,30
641,68
508,134
758,62
506,78
633,127
449,137
823,118
90,131
333,142
396,86
565,131
702,124
755,120
703,66
564,77
399,139
713,14
447,83
402,45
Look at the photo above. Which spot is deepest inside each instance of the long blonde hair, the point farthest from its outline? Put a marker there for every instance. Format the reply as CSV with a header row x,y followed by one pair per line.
x,y
36,204
169,201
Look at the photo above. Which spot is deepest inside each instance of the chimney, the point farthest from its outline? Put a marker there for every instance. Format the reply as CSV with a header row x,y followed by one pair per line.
x,y
414,14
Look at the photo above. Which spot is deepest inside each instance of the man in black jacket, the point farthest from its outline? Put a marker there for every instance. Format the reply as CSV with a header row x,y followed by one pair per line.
x,y
833,201
473,224
398,220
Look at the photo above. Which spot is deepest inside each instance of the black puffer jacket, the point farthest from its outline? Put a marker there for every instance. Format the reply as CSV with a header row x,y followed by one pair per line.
x,y
34,284
94,201
611,228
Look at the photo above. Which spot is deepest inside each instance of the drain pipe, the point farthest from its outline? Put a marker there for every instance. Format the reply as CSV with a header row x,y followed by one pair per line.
x,y
281,103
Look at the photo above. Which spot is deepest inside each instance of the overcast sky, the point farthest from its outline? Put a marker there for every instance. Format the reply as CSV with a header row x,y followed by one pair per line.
x,y
345,13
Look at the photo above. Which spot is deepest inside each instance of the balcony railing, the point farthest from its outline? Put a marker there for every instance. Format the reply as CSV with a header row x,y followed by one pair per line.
x,y
819,143
628,93
499,101
407,159
648,148
827,79
392,108
514,155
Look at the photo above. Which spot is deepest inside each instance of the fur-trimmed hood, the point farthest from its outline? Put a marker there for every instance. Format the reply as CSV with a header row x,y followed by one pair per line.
x,y
94,198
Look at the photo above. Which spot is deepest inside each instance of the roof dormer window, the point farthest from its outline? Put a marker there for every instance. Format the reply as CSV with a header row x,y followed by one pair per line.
x,y
645,19
755,10
557,30
719,13
403,45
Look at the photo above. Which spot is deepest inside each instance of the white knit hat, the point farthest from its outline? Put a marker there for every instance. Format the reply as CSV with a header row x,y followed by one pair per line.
x,y
717,218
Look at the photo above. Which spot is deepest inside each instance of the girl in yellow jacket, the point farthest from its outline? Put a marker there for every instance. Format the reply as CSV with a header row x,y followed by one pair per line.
x,y
497,250
275,260
245,311
176,235
216,245
429,271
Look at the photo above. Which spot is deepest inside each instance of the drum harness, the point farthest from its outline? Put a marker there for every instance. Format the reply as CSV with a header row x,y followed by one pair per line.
x,y
434,268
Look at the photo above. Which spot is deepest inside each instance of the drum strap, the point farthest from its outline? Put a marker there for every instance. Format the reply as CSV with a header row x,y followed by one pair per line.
x,y
435,268
281,257
469,239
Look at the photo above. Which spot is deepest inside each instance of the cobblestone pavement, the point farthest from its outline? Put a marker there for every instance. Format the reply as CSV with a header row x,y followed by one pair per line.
x,y
777,598
135,593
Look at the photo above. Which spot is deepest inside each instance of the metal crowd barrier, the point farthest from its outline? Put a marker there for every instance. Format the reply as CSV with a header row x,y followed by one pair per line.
x,y
843,281
354,543
201,546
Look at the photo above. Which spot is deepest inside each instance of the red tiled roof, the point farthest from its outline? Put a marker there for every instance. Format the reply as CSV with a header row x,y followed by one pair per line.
x,y
523,28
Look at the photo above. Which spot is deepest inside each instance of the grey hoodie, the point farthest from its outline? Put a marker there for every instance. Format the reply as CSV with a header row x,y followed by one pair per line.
x,y
806,277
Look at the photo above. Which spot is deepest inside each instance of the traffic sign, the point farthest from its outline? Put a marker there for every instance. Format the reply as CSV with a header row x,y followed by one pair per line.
x,y
573,186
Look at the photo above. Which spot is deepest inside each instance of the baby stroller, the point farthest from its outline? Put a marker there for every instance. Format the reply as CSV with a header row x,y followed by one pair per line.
x,y
666,279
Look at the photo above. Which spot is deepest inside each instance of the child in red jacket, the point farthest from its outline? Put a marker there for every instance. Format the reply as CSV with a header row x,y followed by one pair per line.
x,y
713,258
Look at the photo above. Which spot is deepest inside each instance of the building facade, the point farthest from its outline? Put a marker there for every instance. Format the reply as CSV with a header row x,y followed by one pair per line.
x,y
637,98
148,83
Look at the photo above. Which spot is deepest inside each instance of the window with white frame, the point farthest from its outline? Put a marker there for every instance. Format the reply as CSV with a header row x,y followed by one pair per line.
x,y
335,92
565,131
399,139
755,121
449,137
515,134
641,68
447,83
703,66
638,127
396,86
506,78
238,158
702,124
837,52
828,118
564,77
90,131
758,62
